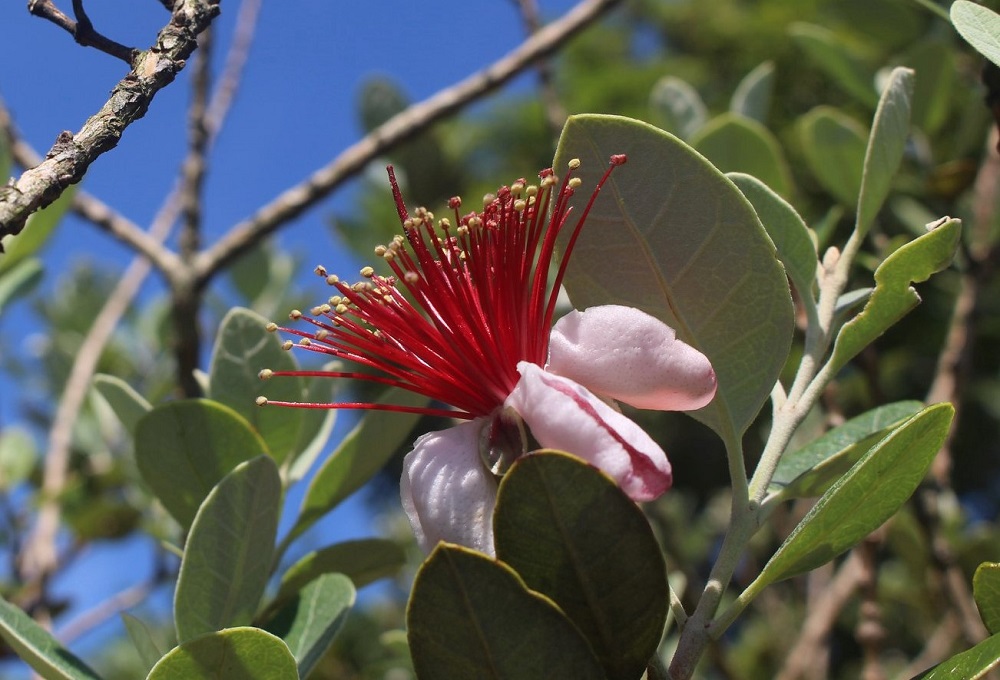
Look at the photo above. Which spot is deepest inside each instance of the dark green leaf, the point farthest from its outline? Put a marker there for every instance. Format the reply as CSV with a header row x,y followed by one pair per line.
x,y
36,647
235,654
472,617
242,349
676,107
311,620
671,235
128,405
980,26
933,60
893,297
970,665
227,557
142,640
832,55
752,97
184,448
737,144
19,279
573,535
986,590
834,148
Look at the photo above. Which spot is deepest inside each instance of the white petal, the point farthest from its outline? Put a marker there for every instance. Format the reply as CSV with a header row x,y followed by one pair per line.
x,y
447,492
628,355
562,414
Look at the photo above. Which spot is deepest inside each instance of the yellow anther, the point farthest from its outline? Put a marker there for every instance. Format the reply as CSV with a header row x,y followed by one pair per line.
x,y
380,250
320,269
575,182
321,334
271,327
332,280
305,342
287,345
295,315
520,205
261,401
341,308
367,272
265,374
574,163
411,277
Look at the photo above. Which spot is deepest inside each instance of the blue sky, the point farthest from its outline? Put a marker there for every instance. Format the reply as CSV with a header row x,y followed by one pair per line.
x,y
294,113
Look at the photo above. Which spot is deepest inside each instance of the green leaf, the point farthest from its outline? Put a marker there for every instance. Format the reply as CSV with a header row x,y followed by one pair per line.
x,y
863,499
142,640
472,617
834,148
19,279
18,456
986,591
737,144
310,621
227,557
796,244
184,448
672,236
811,470
676,107
890,129
573,535
36,647
128,405
317,425
235,654
363,561
752,97
933,60
243,347
969,665
36,232
361,454
980,26
893,297
829,53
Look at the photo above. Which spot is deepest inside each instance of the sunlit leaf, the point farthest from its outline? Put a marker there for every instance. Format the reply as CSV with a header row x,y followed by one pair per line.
x,y
36,647
677,107
227,556
737,144
834,148
573,535
472,617
986,590
752,97
969,665
235,654
671,235
128,405
980,26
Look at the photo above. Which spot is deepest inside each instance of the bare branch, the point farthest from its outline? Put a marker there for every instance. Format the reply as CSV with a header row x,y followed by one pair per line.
x,y
555,112
68,160
82,29
397,129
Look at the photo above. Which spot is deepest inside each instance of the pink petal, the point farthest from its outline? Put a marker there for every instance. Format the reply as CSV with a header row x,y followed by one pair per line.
x,y
563,415
628,355
447,492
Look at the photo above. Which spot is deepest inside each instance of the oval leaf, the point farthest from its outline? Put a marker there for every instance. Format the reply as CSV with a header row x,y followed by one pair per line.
x,y
243,347
184,448
834,148
573,535
36,647
677,107
472,617
671,235
863,499
737,144
128,405
986,590
969,665
235,654
980,26
142,640
227,557
752,97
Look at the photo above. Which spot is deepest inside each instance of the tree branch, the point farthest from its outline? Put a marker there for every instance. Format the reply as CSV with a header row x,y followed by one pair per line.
x,y
399,128
82,29
71,155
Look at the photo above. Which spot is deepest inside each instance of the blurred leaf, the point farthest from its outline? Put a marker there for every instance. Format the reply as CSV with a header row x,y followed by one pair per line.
x,y
243,347
142,640
890,128
737,144
472,617
227,556
235,654
980,27
317,425
795,243
361,454
969,665
36,231
752,97
933,60
128,405
831,54
36,647
19,279
185,447
986,590
893,297
250,273
362,560
574,536
676,107
311,620
17,457
672,236
809,471
834,149
863,499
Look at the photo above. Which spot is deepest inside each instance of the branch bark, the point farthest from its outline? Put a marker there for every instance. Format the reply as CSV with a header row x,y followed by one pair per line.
x,y
71,155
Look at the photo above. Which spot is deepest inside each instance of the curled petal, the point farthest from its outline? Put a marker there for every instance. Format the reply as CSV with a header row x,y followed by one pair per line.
x,y
564,415
446,491
628,355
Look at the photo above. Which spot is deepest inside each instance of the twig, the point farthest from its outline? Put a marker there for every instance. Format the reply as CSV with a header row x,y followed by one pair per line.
x,y
82,29
555,112
68,160
104,610
869,632
399,128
